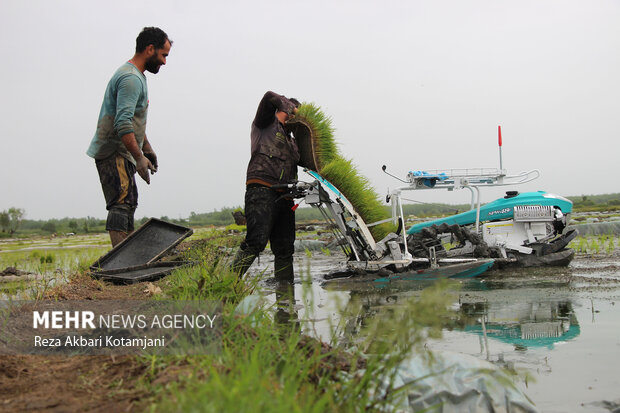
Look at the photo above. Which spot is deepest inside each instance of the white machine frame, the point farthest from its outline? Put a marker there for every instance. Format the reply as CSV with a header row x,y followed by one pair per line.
x,y
454,179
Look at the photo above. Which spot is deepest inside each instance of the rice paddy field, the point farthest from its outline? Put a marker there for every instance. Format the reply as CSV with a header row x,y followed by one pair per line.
x,y
52,260
47,255
556,329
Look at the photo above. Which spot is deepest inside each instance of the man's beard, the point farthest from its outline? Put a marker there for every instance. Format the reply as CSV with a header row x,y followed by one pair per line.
x,y
152,65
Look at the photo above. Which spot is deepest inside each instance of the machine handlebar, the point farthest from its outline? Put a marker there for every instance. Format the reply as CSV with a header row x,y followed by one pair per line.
x,y
295,189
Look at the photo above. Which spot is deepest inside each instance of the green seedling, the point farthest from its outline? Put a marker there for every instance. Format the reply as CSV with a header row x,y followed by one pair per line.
x,y
322,133
338,170
610,246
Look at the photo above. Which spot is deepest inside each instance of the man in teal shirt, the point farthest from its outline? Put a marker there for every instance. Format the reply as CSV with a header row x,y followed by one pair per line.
x,y
120,146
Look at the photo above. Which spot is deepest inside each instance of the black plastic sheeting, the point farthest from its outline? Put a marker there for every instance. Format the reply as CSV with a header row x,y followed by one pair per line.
x,y
455,383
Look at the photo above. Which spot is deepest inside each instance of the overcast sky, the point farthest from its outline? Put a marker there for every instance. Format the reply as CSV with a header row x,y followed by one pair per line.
x,y
415,85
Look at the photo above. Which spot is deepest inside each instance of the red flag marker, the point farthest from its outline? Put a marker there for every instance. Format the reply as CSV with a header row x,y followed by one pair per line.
x,y
499,135
499,141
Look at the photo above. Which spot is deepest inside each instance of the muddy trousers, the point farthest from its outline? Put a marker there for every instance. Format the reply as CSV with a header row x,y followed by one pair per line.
x,y
117,177
269,219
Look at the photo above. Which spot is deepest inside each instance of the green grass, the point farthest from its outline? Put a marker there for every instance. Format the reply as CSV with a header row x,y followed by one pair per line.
x,y
235,227
12,288
266,366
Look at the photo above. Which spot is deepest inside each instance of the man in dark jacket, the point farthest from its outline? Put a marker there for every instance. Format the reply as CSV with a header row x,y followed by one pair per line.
x,y
269,215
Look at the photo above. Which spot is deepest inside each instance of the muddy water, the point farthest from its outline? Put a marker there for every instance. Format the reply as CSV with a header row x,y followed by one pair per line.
x,y
560,325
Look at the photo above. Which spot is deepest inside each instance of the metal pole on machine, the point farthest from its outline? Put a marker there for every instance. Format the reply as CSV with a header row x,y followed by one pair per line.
x,y
499,141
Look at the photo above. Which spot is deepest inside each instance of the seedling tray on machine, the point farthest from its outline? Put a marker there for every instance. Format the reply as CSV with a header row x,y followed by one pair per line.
x,y
136,256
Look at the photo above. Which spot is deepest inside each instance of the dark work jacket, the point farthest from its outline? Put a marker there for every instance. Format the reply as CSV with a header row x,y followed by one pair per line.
x,y
275,153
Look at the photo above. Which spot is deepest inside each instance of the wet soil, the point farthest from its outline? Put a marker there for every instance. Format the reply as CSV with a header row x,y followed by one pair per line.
x,y
69,384
12,271
33,383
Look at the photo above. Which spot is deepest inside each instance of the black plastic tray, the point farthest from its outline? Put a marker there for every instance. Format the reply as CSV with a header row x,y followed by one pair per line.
x,y
304,138
147,272
146,245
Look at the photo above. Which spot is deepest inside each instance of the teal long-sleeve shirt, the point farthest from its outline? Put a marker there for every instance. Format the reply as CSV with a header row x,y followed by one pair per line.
x,y
124,110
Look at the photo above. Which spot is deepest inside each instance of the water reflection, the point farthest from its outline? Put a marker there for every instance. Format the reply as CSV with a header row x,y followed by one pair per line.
x,y
527,308
285,305
489,311
522,324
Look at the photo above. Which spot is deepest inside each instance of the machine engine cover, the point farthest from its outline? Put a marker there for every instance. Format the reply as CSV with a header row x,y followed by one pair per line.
x,y
509,232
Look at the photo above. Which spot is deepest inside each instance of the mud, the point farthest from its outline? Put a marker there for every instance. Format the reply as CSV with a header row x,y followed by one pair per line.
x,y
83,383
69,384
11,274
12,271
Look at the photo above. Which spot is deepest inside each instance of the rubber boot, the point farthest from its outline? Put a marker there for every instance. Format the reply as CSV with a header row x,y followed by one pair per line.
x,y
283,269
285,314
243,260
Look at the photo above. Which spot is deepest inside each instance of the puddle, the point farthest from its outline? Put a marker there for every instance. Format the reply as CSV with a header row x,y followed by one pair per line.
x,y
560,325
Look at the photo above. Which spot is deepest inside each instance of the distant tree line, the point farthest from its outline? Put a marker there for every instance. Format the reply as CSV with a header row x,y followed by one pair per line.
x,y
63,226
606,201
12,220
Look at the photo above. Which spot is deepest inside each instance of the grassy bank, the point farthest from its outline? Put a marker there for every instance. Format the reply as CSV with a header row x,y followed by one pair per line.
x,y
270,364
267,362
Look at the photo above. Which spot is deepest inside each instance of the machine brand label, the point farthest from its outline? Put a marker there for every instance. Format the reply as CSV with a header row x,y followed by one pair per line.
x,y
499,211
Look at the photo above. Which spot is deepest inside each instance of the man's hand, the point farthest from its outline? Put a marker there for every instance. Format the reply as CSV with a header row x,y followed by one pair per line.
x,y
144,161
153,158
143,165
